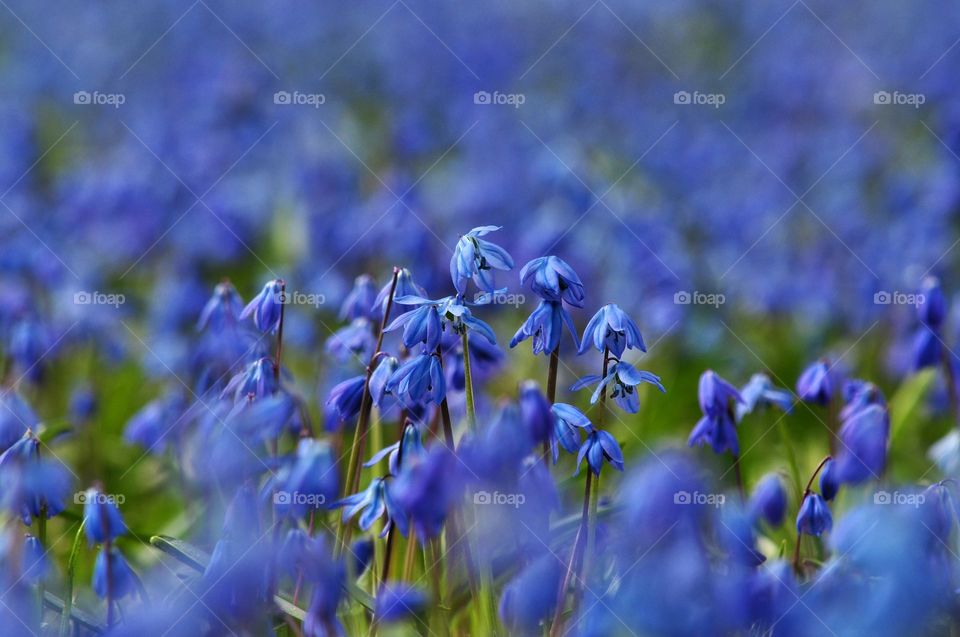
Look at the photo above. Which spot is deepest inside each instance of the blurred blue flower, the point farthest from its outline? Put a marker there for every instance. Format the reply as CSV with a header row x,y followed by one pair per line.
x,y
311,483
353,341
611,328
531,597
32,485
859,394
717,427
384,369
397,601
343,402
769,500
406,286
376,501
36,564
412,450
535,412
815,384
421,325
829,480
258,378
552,279
266,306
360,301
16,417
112,576
761,392
864,437
474,258
814,516
150,426
545,325
427,490
102,520
933,309
223,308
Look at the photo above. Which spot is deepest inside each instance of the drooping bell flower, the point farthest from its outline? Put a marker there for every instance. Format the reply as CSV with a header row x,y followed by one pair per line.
x,y
36,565
597,448
717,427
360,301
552,279
343,403
476,258
384,369
738,536
426,490
406,286
545,326
815,384
531,597
769,500
611,328
568,421
354,340
150,426
223,308
362,553
623,380
814,517
535,412
829,480
257,378
932,311
112,576
761,392
419,380
311,483
16,417
927,348
863,453
31,485
422,325
373,503
265,307
412,444
102,520
859,394
397,601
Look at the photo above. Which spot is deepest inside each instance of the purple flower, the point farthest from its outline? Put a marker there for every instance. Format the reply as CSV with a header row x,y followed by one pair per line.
x,y
717,427
829,480
112,576
149,426
623,379
600,446
102,521
31,485
427,490
311,483
545,325
568,420
223,308
815,384
36,565
265,307
531,597
360,302
814,517
421,325
863,451
716,394
380,377
355,340
419,380
933,309
343,403
375,502
535,412
760,392
611,328
258,379
769,500
397,601
412,450
859,394
475,258
16,417
553,279
406,286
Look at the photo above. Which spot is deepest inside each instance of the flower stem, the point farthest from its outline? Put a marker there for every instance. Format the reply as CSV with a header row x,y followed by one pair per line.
x,y
806,492
42,537
445,411
739,475
551,392
468,381
68,584
353,468
574,559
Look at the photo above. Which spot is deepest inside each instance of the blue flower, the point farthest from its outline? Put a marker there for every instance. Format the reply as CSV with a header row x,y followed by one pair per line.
x,y
611,328
419,380
412,450
553,279
344,400
31,485
361,551
815,384
258,379
829,480
355,340
397,601
545,325
863,453
452,311
927,348
933,309
814,517
266,306
716,394
16,417
102,521
717,427
380,377
568,420
112,576
760,392
531,597
375,502
36,565
624,378
535,412
311,483
360,302
223,308
474,258
406,286
859,394
421,325
600,446
30,344
150,426
769,500
427,490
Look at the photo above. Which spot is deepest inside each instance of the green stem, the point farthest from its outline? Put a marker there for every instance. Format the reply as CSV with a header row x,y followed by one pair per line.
x,y
42,537
806,492
791,456
68,584
468,381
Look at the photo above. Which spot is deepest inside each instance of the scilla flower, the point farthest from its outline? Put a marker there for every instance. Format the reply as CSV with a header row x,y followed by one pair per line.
x,y
815,384
311,483
623,379
760,392
112,576
611,328
360,301
265,306
829,480
31,485
814,517
412,444
531,596
379,378
419,380
859,394
933,309
769,500
717,427
257,378
552,279
406,286
397,601
568,421
545,325
343,403
865,437
355,340
421,325
475,258
600,446
16,417
375,502
535,413
223,308
102,521
36,565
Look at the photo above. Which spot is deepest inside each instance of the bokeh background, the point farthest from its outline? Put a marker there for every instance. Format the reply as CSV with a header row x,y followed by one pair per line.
x,y
757,184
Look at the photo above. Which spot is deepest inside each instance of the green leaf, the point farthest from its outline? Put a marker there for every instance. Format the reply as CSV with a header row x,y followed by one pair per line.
x,y
85,620
906,401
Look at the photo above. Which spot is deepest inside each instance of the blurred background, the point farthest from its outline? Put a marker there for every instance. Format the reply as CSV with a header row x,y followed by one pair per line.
x,y
756,184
